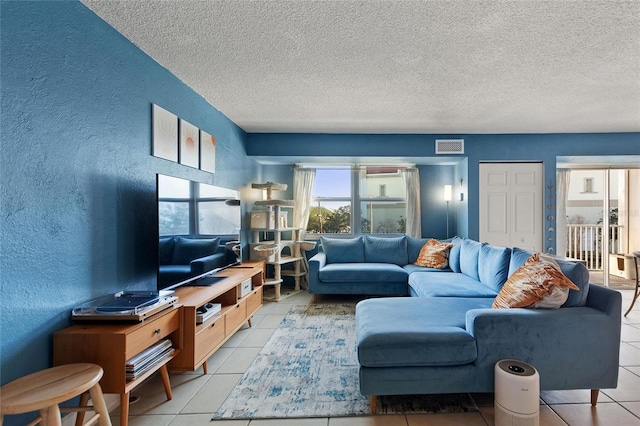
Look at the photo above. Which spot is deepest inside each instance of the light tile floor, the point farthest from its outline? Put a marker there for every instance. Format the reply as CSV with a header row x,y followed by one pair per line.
x,y
197,396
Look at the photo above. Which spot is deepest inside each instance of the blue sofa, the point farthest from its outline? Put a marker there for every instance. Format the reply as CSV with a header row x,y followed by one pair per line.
x,y
446,338
180,258
365,265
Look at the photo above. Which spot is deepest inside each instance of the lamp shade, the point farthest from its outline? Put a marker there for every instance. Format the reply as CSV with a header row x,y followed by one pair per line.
x,y
447,193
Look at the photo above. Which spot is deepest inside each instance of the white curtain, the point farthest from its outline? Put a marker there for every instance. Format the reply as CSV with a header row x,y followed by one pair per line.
x,y
411,179
563,177
303,181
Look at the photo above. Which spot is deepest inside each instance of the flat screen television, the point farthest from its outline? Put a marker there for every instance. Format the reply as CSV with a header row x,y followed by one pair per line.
x,y
198,231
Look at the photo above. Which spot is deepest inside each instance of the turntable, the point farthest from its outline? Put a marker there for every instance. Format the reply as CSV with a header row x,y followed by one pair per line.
x,y
125,306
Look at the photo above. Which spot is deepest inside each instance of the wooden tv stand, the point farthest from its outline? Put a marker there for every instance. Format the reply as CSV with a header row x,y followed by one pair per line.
x,y
111,344
202,340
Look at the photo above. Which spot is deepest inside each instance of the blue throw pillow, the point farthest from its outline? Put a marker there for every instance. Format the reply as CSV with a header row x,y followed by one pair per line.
x,y
188,249
518,257
343,250
385,250
579,275
469,254
493,265
414,245
454,254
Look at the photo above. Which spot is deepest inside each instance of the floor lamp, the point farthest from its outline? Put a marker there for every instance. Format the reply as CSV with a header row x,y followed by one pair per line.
x,y
447,198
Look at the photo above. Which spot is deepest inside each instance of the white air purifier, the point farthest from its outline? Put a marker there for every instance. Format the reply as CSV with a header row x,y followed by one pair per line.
x,y
517,394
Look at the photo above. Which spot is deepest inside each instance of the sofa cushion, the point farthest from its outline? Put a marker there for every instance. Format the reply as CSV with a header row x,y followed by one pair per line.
x,y
447,284
575,271
532,283
362,273
469,254
493,265
385,250
165,250
188,249
434,254
579,275
518,257
454,254
394,332
414,245
343,250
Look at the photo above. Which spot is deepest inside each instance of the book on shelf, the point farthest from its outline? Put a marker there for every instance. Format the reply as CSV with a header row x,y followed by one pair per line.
x,y
148,358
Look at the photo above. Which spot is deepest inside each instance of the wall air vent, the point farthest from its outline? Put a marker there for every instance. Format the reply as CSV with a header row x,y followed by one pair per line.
x,y
449,146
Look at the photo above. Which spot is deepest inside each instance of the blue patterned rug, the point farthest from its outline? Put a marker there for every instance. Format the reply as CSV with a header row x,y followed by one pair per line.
x,y
309,369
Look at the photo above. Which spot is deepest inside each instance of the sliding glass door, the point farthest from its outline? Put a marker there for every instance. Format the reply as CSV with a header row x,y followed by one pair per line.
x,y
601,221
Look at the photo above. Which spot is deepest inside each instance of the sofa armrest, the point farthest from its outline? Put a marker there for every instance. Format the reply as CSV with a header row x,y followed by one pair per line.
x,y
207,263
572,348
317,262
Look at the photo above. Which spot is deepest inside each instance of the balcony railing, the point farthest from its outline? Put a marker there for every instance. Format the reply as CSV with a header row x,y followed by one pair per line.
x,y
585,242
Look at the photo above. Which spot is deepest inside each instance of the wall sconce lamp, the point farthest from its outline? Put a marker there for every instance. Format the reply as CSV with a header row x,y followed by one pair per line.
x,y
447,198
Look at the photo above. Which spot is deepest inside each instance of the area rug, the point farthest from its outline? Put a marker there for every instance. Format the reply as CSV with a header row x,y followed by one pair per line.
x,y
309,369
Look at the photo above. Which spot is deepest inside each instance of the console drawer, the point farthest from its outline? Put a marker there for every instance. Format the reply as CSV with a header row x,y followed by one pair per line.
x,y
254,300
151,332
209,336
235,316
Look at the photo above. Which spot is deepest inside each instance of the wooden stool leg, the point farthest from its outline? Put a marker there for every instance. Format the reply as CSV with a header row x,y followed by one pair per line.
x,y
84,401
124,409
164,373
99,405
53,417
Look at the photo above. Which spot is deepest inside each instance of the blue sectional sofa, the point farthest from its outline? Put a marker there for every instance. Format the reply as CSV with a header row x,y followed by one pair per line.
x,y
447,338
364,265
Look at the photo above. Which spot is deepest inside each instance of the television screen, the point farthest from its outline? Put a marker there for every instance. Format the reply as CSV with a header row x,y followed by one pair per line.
x,y
198,227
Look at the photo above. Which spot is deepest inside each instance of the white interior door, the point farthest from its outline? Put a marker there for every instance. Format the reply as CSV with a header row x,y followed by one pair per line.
x,y
512,204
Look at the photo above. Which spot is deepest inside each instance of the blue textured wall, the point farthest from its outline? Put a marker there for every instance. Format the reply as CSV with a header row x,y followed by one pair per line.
x,y
478,148
78,180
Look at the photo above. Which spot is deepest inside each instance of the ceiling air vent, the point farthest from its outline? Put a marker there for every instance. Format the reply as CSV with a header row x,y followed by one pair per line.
x,y
449,146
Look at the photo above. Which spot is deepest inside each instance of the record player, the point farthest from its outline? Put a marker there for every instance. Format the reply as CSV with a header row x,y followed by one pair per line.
x,y
125,306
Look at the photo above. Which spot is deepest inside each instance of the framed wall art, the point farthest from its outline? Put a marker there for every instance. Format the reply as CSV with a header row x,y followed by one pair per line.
x,y
189,144
165,134
207,152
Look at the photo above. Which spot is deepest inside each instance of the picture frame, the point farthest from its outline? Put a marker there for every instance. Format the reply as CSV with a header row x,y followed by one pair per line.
x,y
189,144
207,152
165,134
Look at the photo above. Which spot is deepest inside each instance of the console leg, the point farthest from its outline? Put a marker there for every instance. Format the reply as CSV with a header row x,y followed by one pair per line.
x,y
594,396
204,367
164,373
124,409
374,403
249,322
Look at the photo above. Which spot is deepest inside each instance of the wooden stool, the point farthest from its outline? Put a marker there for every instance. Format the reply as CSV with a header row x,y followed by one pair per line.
x,y
44,390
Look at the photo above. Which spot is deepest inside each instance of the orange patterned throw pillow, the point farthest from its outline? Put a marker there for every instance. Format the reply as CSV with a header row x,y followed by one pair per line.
x,y
538,283
434,254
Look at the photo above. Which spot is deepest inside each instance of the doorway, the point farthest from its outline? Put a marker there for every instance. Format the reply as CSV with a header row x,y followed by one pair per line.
x,y
511,204
601,221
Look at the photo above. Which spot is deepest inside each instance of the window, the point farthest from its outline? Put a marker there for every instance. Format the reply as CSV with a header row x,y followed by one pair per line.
x,y
588,186
358,200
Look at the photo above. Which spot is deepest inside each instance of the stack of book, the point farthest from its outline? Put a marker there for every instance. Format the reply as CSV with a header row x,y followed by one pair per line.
x,y
149,358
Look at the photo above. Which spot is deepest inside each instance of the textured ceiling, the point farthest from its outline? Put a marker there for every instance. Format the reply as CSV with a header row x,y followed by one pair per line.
x,y
399,66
